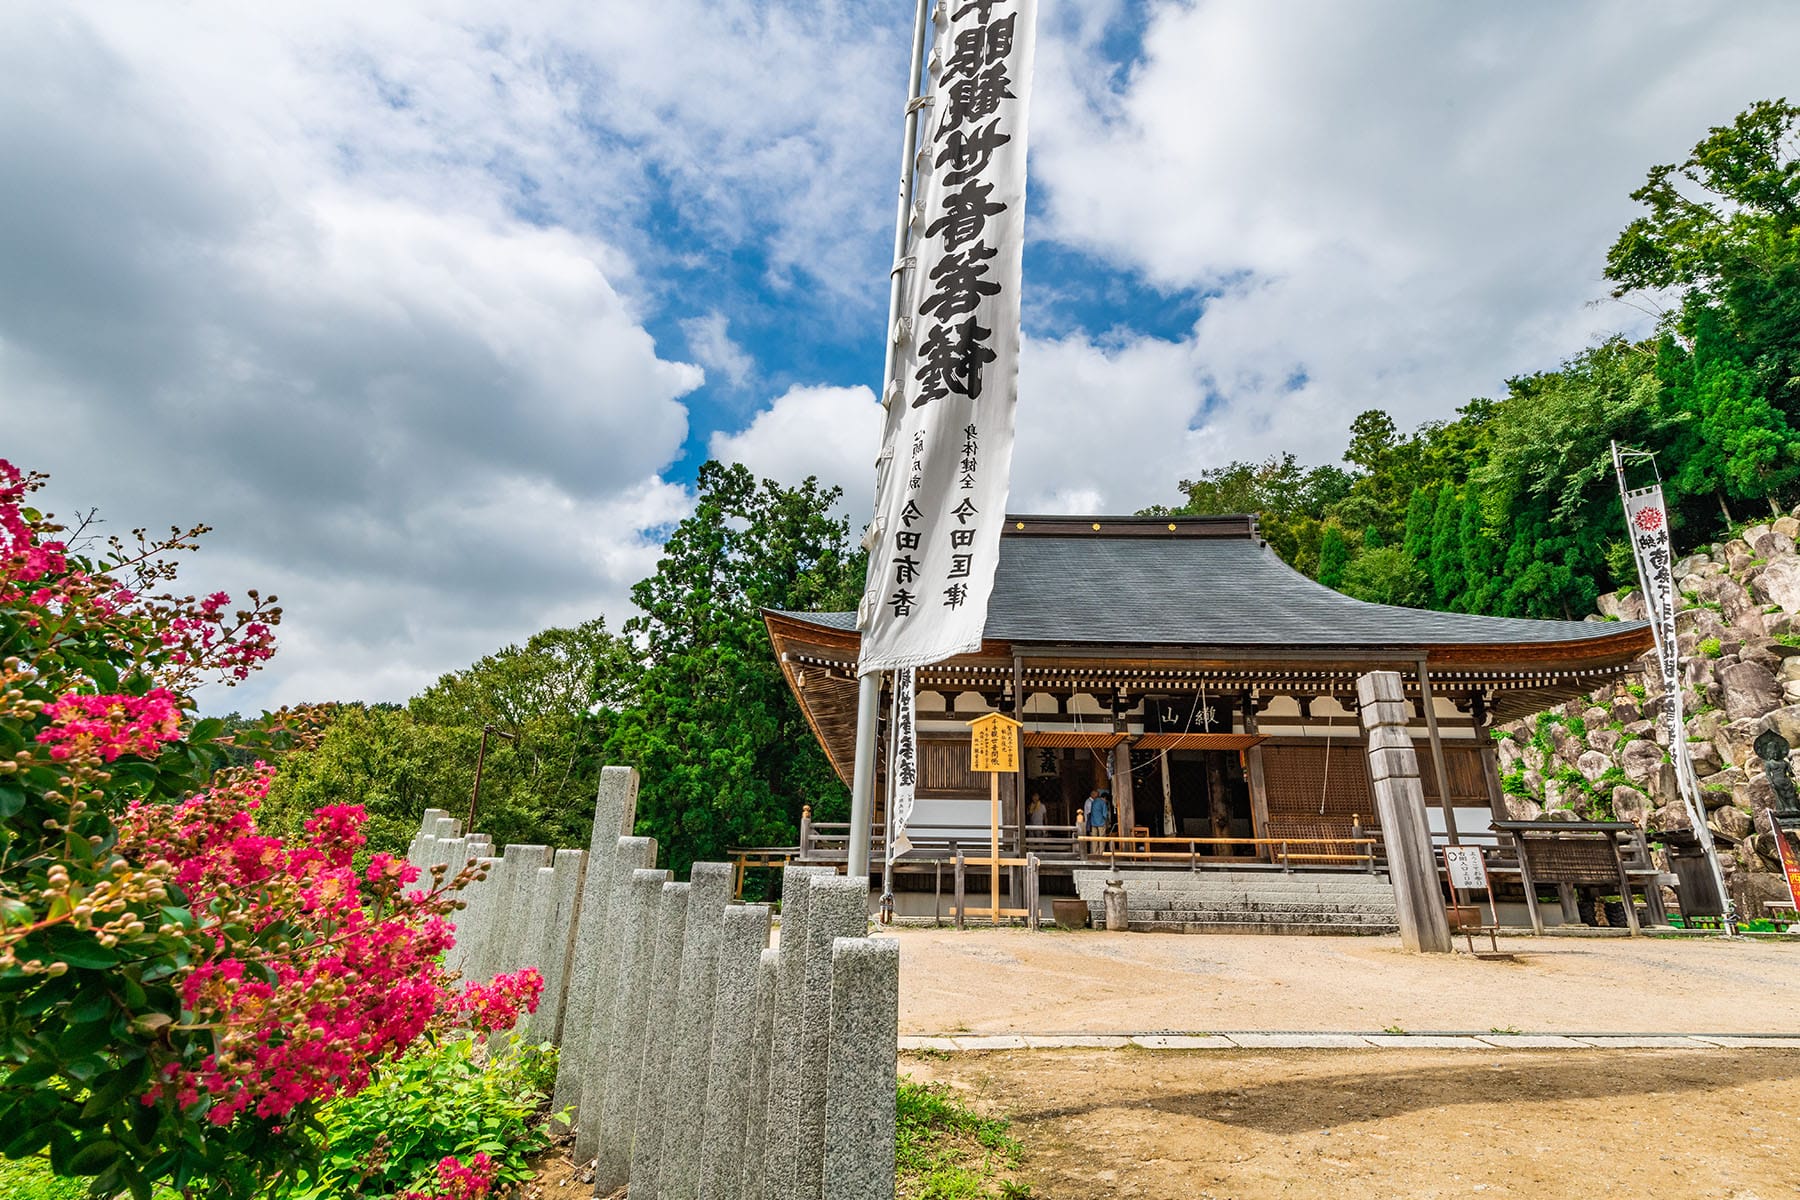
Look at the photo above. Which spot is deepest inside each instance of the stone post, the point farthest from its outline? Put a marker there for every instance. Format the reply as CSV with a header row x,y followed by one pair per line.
x,y
756,1091
1400,799
588,1032
511,939
556,941
585,1010
659,1039
784,1045
684,1097
636,909
419,852
746,933
859,1105
837,907
472,922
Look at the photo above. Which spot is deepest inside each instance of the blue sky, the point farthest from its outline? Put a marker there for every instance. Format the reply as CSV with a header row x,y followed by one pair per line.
x,y
433,310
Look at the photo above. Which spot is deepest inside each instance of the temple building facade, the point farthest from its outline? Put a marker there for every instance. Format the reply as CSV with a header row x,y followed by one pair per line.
x,y
1177,665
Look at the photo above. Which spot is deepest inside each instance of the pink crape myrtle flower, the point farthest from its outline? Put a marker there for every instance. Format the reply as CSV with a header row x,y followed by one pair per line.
x,y
457,1181
108,726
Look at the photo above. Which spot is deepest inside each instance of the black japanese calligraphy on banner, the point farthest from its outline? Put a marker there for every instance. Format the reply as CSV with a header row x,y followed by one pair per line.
x,y
947,455
903,753
1647,520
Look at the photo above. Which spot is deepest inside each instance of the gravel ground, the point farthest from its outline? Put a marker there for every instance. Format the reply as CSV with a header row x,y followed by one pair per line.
x,y
1012,981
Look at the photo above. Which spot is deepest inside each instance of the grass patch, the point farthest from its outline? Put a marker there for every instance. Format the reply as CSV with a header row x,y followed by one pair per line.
x,y
945,1150
30,1179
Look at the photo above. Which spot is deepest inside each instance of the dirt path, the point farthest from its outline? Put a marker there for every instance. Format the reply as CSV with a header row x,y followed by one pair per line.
x,y
1009,981
1402,1123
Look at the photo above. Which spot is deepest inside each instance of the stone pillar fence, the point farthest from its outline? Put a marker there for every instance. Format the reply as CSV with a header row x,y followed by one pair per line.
x,y
700,1064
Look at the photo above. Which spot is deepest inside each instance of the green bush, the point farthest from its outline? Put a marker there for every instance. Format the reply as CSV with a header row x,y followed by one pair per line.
x,y
453,1099
1712,647
1637,690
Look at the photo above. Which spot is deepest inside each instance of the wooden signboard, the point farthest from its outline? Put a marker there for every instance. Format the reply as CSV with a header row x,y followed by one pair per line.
x,y
994,748
994,744
1466,868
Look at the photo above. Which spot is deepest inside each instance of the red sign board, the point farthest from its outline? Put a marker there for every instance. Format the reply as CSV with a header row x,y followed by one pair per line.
x,y
1785,846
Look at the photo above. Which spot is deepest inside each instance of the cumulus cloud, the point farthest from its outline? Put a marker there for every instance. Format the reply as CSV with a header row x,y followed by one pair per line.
x,y
831,432
430,427
1386,205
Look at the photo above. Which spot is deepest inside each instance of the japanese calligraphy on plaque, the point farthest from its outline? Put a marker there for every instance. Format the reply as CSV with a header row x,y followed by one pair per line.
x,y
942,479
994,744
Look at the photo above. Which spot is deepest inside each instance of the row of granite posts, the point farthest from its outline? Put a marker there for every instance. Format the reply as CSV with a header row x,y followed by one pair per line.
x,y
700,1064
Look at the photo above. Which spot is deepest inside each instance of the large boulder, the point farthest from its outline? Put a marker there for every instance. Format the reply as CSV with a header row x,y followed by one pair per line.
x,y
1705,757
1754,889
1767,542
1670,817
1731,821
1640,760
1522,808
1719,787
1630,804
1750,690
1740,612
1779,583
1787,527
1626,709
1737,740
1593,764
1508,754
1604,740
1785,721
1623,607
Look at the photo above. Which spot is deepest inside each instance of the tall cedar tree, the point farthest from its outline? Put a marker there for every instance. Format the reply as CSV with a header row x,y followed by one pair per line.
x,y
1334,556
726,757
1446,553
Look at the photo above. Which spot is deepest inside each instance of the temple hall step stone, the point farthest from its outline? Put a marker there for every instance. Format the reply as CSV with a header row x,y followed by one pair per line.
x,y
1248,901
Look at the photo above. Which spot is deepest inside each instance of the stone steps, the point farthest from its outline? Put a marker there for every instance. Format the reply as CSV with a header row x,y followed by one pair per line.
x,y
1248,902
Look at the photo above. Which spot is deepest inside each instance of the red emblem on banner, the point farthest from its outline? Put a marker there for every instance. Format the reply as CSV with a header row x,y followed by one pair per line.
x,y
1648,519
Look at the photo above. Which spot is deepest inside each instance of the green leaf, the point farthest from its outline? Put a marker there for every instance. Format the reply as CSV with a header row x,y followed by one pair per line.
x,y
93,1157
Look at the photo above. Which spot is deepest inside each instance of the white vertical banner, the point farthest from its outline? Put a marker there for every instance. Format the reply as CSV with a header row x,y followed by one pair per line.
x,y
1647,520
903,776
946,461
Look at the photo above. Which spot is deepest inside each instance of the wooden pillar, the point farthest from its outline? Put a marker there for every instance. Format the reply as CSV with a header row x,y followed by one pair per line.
x,y
1437,752
1530,882
1490,762
1253,767
1123,800
1020,799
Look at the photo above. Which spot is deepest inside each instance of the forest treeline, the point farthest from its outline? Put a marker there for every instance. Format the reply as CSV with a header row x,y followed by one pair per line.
x,y
1510,509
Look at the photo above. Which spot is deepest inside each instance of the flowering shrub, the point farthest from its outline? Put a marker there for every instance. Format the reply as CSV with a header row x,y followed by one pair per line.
x,y
180,994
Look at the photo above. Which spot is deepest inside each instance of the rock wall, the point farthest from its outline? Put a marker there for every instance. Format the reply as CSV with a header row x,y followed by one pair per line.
x,y
1604,757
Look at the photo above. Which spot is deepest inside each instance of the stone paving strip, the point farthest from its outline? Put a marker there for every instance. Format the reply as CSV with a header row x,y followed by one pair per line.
x,y
963,1043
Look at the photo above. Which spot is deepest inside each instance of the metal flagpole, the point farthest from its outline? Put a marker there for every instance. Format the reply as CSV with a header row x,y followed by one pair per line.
x,y
868,694
1678,751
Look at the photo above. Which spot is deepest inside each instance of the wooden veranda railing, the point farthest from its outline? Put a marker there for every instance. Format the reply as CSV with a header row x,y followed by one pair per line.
x,y
1361,850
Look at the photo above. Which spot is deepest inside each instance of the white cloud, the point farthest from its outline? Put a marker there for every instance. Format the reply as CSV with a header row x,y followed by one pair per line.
x,y
1400,205
429,425
831,432
709,340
